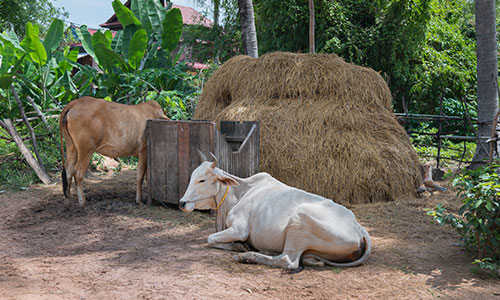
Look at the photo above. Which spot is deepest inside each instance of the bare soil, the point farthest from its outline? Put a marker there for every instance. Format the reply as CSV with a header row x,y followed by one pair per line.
x,y
117,250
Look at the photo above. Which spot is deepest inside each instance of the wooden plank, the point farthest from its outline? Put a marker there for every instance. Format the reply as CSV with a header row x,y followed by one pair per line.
x,y
170,179
158,159
205,140
148,162
183,131
194,144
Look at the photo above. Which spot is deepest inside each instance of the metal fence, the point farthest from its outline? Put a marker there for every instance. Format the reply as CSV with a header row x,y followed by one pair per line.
x,y
448,128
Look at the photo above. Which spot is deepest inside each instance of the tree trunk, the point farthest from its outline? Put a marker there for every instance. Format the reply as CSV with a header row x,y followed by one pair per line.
x,y
312,47
216,12
28,125
11,129
39,113
248,33
487,81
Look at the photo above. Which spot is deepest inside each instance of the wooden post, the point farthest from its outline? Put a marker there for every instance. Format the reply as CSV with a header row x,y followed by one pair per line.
x,y
440,130
312,46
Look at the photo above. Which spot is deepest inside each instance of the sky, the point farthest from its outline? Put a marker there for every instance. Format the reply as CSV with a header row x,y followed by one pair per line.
x,y
95,12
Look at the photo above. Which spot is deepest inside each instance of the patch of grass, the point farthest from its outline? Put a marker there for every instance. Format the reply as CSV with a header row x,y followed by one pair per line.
x,y
336,270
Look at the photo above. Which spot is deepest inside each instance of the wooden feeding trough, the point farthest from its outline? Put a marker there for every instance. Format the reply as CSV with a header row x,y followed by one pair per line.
x,y
237,147
173,153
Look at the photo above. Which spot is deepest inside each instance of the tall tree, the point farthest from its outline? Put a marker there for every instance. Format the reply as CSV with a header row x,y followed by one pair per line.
x,y
487,74
311,27
216,7
15,14
248,32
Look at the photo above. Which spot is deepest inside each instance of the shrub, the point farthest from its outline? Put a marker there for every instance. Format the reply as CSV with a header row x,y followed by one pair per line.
x,y
479,216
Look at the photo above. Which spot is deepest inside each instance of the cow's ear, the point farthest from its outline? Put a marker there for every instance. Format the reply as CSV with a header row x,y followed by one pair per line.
x,y
227,181
224,178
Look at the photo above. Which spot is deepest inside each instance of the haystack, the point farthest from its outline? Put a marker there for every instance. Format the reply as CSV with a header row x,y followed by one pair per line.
x,y
326,125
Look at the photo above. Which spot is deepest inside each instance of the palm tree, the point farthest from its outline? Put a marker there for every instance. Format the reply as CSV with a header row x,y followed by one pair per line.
x,y
248,33
487,78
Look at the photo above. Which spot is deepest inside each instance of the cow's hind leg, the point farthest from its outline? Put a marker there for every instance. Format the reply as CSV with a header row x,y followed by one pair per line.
x,y
70,171
81,169
311,261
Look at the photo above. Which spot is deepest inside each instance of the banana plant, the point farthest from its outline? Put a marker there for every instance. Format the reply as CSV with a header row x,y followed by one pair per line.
x,y
147,26
34,76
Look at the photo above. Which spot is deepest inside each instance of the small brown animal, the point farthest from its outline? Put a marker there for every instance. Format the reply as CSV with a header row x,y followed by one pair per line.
x,y
429,183
112,129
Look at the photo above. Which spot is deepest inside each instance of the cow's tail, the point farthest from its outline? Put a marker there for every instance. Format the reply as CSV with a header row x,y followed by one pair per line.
x,y
63,127
366,244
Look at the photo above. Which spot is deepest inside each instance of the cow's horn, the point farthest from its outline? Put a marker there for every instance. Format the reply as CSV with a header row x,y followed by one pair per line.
x,y
202,156
214,163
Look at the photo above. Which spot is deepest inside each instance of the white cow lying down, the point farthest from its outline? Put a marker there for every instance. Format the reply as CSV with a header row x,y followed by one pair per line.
x,y
282,222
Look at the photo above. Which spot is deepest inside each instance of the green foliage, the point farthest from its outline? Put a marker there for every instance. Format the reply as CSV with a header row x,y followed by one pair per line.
x,y
220,42
455,151
40,70
134,71
424,48
447,59
170,37
478,220
15,14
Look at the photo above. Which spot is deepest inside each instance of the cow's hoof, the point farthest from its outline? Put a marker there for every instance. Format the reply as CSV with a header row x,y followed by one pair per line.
x,y
243,257
293,271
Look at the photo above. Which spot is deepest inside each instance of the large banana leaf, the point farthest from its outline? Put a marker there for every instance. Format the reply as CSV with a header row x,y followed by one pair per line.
x,y
100,38
108,36
109,59
86,69
140,10
32,45
71,55
116,43
8,56
5,81
127,35
9,38
172,29
156,15
48,71
54,36
137,49
86,39
125,15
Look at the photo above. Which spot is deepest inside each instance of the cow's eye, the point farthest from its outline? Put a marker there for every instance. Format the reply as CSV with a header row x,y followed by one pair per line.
x,y
201,181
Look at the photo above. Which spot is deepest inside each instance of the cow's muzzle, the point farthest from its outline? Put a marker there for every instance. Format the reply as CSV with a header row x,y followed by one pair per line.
x,y
186,206
182,204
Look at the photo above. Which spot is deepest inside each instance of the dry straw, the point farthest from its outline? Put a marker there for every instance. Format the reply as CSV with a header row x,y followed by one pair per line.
x,y
326,126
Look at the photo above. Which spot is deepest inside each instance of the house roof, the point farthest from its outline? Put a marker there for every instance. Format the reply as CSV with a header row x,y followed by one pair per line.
x,y
189,17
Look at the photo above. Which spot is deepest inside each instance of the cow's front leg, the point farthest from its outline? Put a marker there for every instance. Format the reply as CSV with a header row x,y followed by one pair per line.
x,y
228,239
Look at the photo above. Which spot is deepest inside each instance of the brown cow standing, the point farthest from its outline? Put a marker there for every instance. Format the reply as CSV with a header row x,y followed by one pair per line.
x,y
112,129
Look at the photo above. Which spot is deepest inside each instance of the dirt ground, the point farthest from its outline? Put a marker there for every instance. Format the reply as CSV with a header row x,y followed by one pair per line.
x,y
116,250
